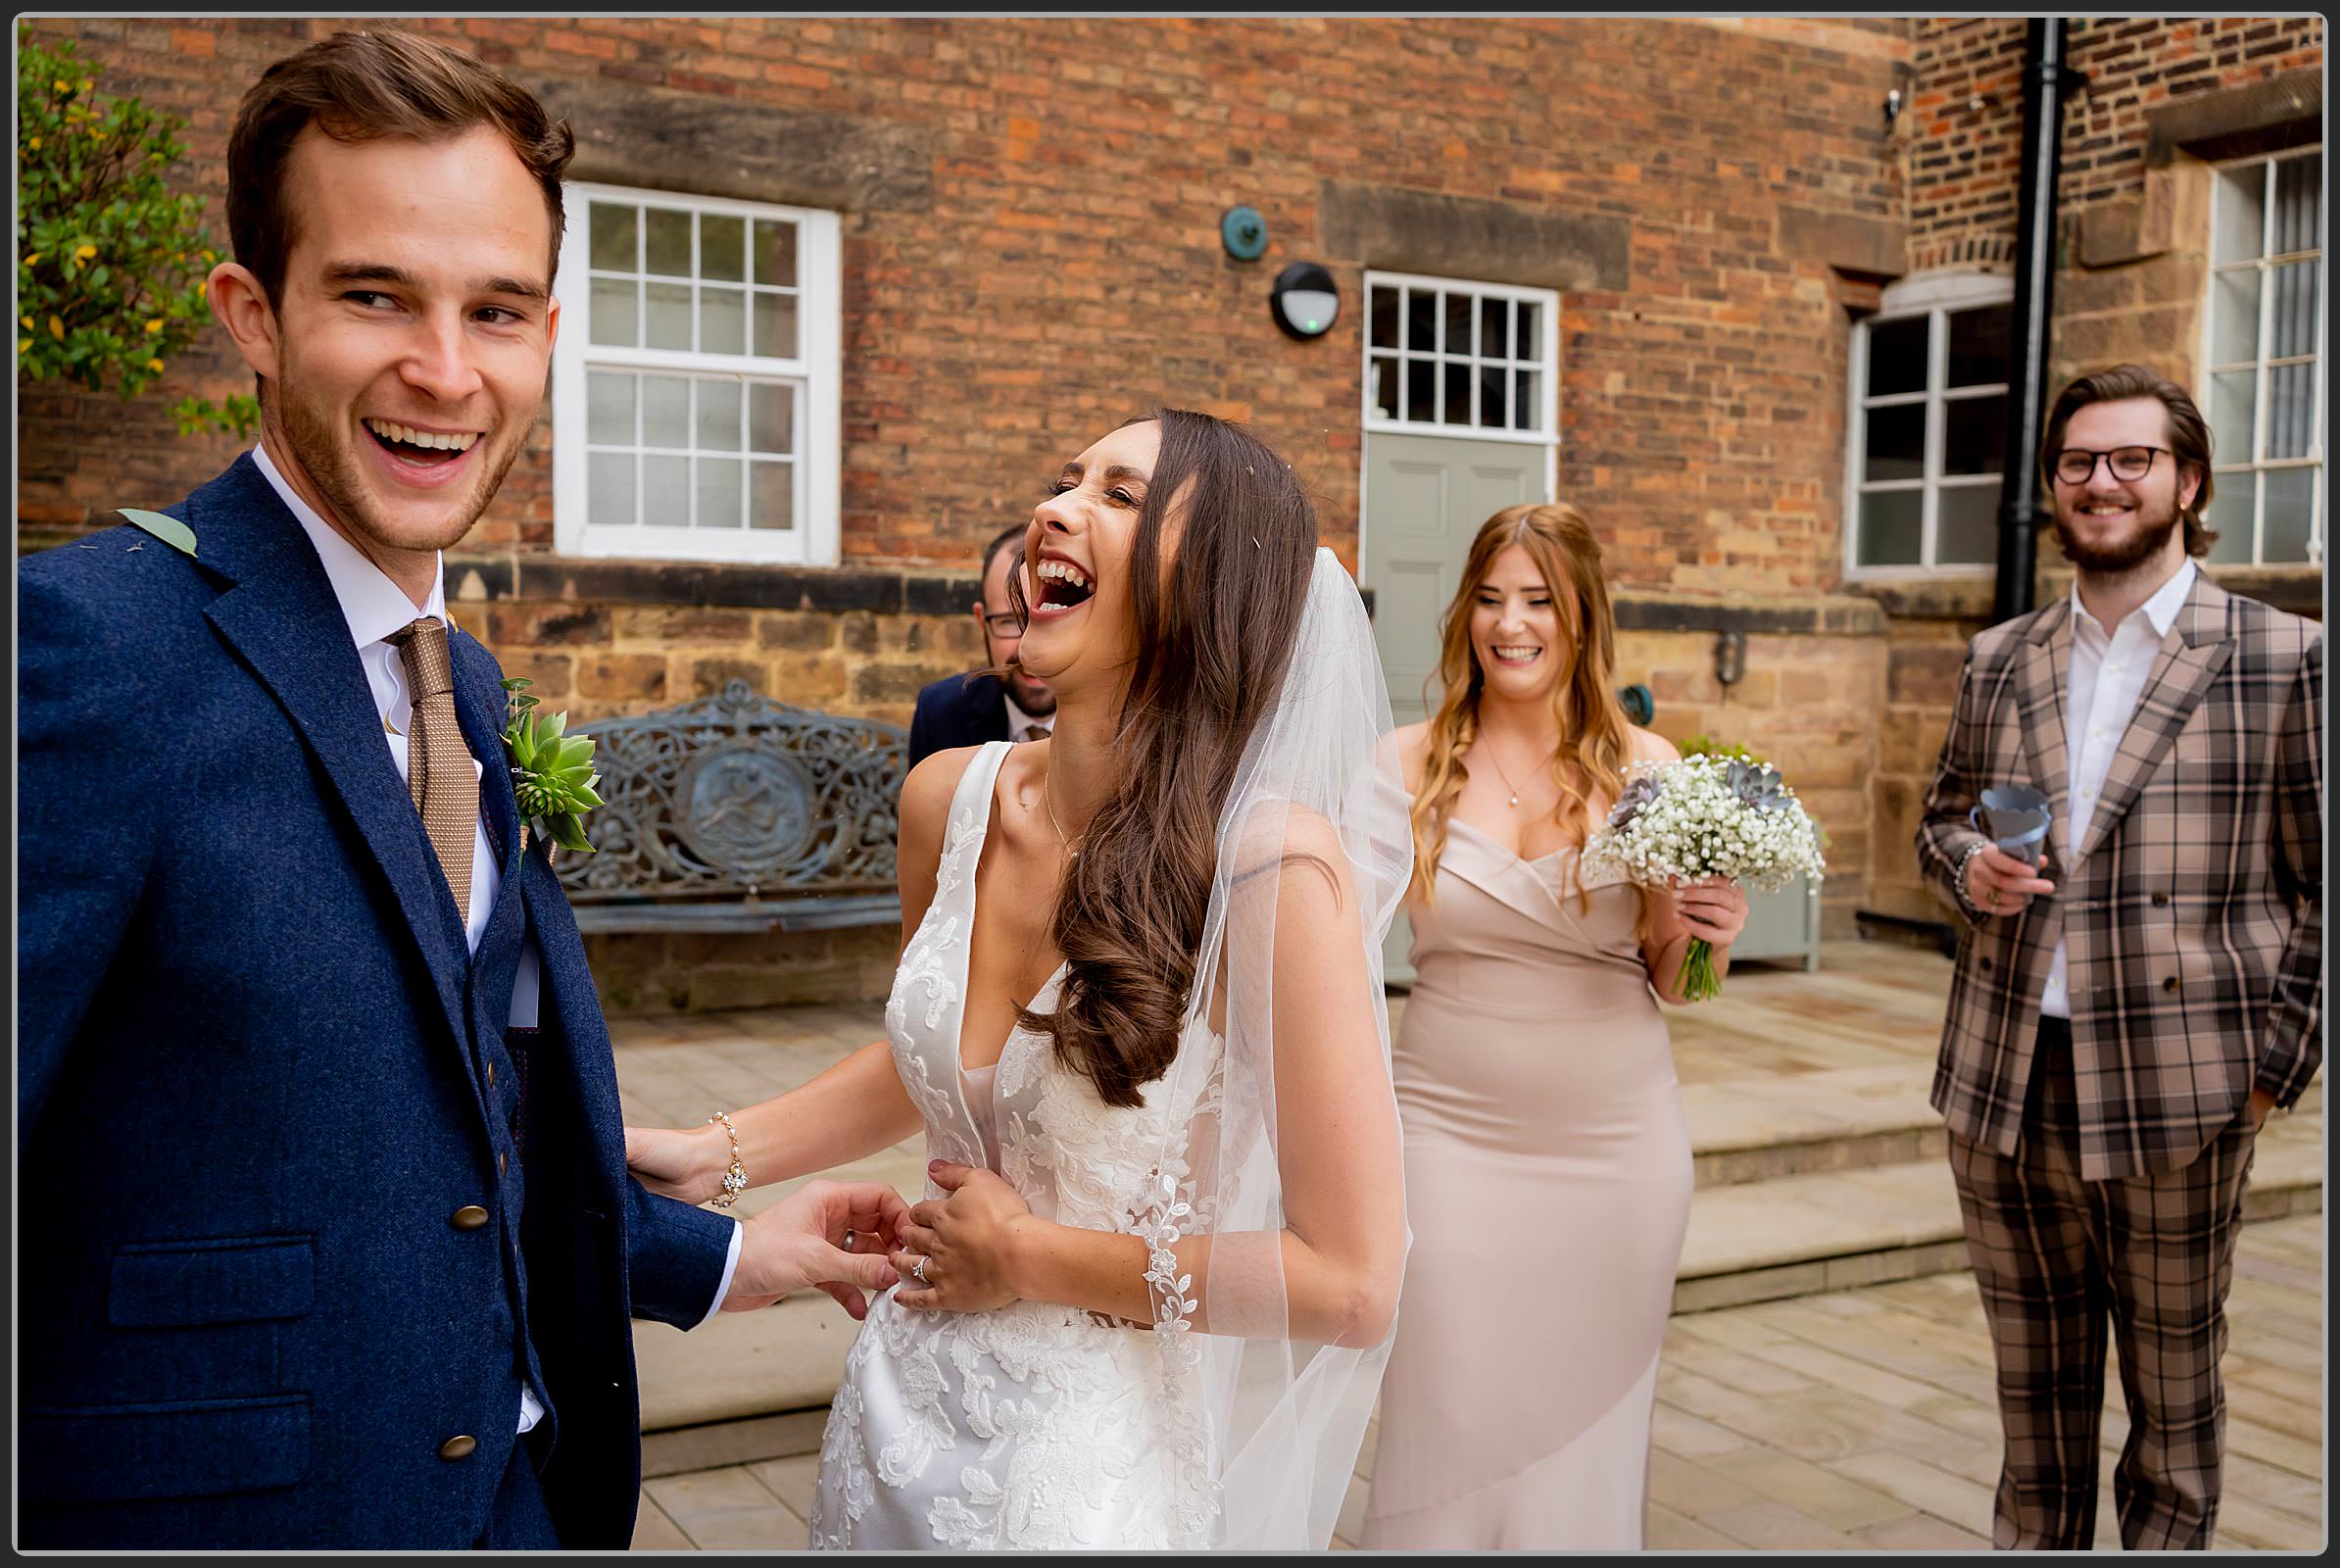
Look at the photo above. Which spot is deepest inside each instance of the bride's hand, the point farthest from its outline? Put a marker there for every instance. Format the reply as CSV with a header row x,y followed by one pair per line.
x,y
966,1243
674,1164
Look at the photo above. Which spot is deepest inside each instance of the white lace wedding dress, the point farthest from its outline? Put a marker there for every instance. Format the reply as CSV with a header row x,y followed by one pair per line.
x,y
1034,1426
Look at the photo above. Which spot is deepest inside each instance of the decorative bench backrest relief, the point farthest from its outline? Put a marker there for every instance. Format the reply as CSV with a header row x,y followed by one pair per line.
x,y
738,798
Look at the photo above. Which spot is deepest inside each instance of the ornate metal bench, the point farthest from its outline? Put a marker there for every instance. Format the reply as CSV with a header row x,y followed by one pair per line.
x,y
738,813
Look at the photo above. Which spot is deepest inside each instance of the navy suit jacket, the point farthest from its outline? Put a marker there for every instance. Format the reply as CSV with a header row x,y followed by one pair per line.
x,y
263,1091
957,711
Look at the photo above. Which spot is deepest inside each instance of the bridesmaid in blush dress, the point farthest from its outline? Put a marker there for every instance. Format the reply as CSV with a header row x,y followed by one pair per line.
x,y
1547,1166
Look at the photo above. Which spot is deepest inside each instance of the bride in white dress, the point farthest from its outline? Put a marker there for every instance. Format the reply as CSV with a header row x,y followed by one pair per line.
x,y
1148,1299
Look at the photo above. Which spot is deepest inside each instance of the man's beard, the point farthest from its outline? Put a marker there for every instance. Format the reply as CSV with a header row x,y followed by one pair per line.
x,y
315,443
2123,556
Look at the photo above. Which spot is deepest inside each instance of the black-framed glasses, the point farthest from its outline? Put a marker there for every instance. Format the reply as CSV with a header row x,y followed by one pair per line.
x,y
1004,625
2077,465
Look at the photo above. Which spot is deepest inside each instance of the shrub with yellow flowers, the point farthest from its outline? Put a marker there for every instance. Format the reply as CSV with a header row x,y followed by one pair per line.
x,y
111,261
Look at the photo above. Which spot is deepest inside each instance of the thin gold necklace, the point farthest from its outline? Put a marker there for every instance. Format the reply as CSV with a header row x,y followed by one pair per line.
x,y
1071,852
1494,758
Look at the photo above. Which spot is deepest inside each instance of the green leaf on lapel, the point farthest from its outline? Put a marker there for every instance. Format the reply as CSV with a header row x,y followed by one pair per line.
x,y
173,532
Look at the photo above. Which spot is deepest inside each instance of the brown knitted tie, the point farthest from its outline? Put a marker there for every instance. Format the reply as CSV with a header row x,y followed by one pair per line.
x,y
439,772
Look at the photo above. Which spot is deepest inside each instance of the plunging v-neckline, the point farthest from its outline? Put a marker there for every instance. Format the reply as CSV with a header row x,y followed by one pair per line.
x,y
991,804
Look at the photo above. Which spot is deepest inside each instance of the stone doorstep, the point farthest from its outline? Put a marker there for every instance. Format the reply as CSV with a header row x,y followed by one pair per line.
x,y
1857,1119
1805,1234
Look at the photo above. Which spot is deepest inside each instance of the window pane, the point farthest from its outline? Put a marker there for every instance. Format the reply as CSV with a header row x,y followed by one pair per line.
x,y
615,318
2299,212
1421,321
1384,390
722,247
776,325
1383,311
668,234
2229,514
609,490
719,493
722,320
1974,434
667,492
719,416
775,251
1494,407
2290,410
1966,525
609,411
1494,329
1421,391
614,244
2231,395
1526,397
1891,523
771,495
771,418
1979,343
1459,310
2239,223
668,315
666,411
1897,357
2293,328
1895,448
2290,514
1457,377
1526,330
2234,317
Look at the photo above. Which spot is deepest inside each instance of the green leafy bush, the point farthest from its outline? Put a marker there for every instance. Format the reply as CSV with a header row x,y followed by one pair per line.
x,y
110,260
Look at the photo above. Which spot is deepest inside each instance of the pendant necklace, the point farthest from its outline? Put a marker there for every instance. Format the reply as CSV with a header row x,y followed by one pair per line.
x,y
1072,852
1500,770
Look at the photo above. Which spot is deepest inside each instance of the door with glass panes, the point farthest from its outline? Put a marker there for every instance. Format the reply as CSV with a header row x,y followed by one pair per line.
x,y
1460,422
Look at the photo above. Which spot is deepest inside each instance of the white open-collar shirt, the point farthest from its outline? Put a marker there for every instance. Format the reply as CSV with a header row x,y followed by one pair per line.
x,y
2101,692
376,607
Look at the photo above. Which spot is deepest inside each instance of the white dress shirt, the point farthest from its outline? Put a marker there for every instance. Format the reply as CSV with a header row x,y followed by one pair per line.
x,y
1020,724
2104,682
374,607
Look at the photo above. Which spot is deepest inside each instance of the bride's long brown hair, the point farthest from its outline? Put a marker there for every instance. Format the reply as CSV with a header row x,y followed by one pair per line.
x,y
1214,634
1595,740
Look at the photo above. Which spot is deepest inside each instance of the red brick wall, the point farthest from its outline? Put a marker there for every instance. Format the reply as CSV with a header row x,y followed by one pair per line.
x,y
1069,269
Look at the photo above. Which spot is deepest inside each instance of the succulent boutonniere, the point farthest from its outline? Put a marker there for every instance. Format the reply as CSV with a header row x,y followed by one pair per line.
x,y
552,773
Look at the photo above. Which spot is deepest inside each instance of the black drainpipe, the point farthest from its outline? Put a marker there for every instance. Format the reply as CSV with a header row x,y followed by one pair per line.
x,y
2045,78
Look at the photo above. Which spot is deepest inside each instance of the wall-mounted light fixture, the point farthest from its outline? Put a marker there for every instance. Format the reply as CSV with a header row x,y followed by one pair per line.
x,y
1305,301
1244,232
1731,658
1892,105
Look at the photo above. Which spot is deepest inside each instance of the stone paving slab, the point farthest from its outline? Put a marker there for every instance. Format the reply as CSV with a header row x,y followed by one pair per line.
x,y
1862,1420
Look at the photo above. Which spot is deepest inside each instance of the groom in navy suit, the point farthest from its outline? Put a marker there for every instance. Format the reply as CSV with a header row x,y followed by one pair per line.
x,y
327,1238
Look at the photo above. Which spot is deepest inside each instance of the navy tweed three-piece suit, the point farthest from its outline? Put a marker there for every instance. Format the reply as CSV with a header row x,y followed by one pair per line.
x,y
265,1094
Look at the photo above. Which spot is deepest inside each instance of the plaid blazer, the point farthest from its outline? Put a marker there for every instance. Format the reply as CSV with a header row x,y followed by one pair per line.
x,y
2191,904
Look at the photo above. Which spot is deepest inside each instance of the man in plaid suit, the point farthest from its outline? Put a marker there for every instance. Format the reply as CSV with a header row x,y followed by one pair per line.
x,y
2124,1016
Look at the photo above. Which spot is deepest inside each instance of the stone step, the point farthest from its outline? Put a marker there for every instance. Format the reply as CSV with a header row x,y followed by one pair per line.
x,y
1803,1234
1837,1215
1800,1124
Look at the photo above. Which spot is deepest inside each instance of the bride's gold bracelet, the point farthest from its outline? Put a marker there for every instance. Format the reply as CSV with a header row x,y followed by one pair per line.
x,y
735,1179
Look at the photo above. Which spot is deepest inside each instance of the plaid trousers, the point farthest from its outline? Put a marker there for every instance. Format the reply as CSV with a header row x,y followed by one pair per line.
x,y
2055,1258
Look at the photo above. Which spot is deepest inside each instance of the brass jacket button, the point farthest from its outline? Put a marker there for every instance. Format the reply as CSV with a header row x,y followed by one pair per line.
x,y
457,1448
491,1075
500,1163
470,1217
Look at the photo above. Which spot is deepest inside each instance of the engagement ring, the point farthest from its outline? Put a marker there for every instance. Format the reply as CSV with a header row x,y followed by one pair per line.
x,y
918,1270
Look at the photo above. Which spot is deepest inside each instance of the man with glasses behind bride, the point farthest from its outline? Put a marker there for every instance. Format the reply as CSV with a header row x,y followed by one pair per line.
x,y
974,707
2124,1016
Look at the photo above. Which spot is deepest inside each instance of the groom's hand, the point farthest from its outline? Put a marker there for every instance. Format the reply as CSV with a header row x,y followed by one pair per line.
x,y
801,1241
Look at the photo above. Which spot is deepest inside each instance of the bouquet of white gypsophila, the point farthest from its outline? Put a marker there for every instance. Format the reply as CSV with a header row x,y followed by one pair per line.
x,y
1702,816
